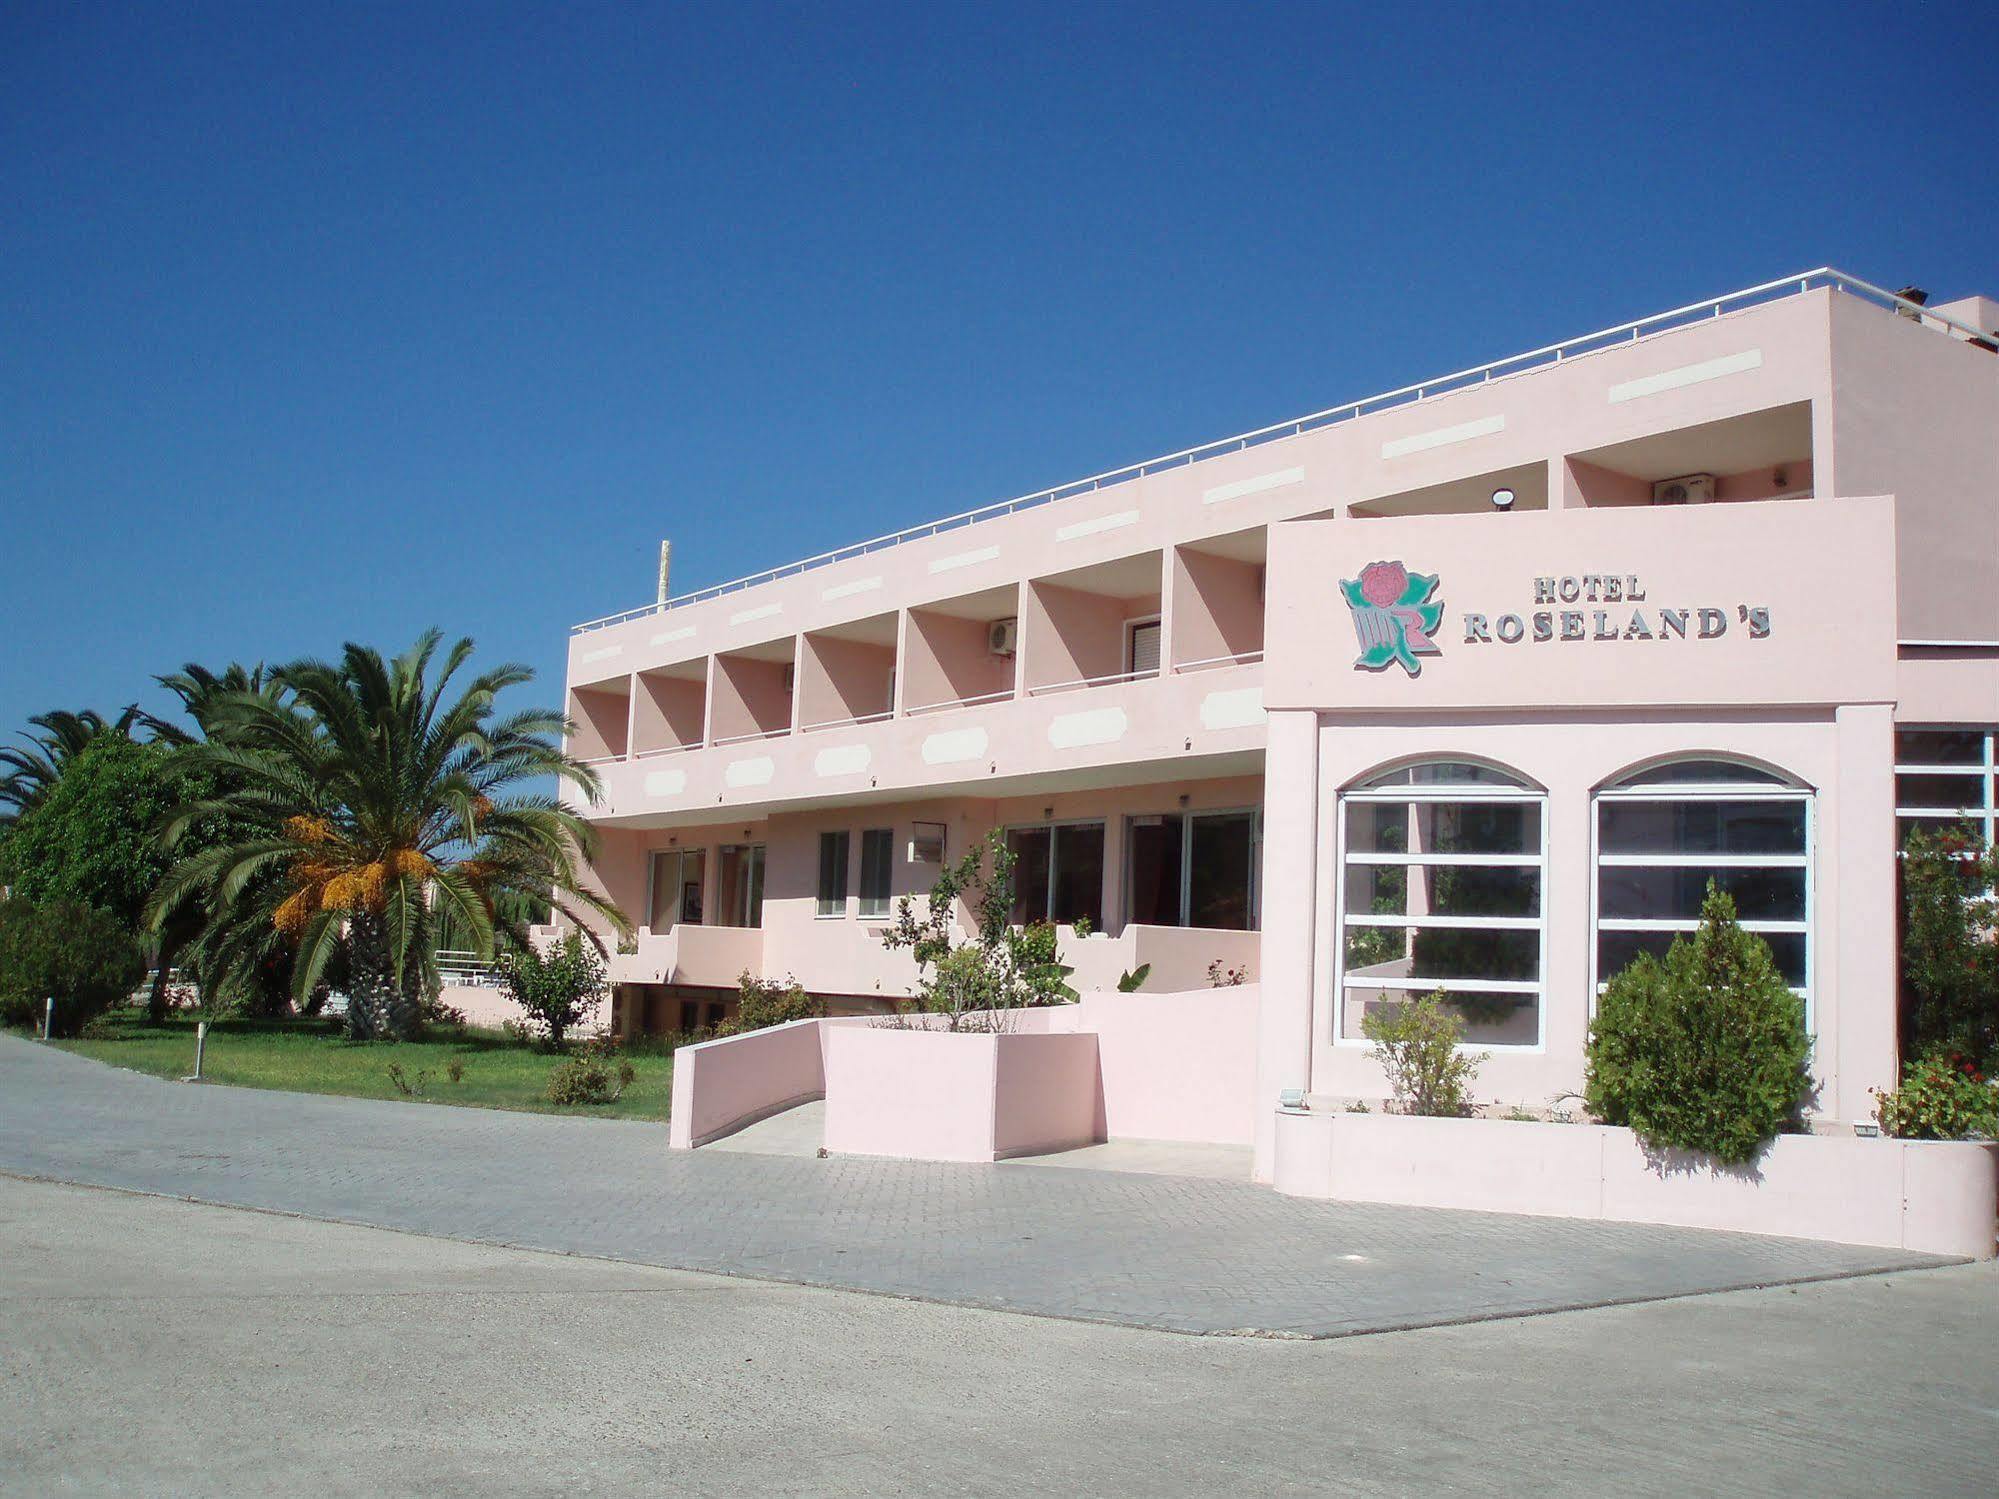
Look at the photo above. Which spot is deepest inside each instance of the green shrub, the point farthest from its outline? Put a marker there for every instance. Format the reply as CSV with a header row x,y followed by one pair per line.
x,y
765,1002
83,959
1706,1051
594,1075
1944,1096
556,989
1417,1046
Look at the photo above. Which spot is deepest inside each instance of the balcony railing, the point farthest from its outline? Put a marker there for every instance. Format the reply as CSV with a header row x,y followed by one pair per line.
x,y
1215,663
1588,343
1048,688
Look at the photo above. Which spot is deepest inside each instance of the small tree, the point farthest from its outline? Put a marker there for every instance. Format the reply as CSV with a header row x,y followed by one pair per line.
x,y
762,1002
557,989
84,960
977,982
1417,1046
1706,1051
1950,960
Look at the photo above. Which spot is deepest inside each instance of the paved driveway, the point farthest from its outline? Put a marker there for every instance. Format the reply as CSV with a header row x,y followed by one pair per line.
x,y
1180,1254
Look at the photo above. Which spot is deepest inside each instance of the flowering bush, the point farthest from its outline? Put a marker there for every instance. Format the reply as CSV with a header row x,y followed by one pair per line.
x,y
1944,1096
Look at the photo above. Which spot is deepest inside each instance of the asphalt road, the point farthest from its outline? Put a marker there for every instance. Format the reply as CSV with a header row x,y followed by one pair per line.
x,y
158,1347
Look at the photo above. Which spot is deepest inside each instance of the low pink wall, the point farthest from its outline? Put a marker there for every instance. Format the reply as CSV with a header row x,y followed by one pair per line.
x,y
720,1086
488,1005
942,1096
1177,1066
1927,1196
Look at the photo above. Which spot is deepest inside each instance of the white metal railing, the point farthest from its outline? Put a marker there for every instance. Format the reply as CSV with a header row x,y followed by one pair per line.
x,y
463,966
1210,663
958,702
1045,688
1658,322
845,723
670,749
722,739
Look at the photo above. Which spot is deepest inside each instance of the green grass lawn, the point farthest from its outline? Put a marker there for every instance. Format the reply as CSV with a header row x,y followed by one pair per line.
x,y
315,1056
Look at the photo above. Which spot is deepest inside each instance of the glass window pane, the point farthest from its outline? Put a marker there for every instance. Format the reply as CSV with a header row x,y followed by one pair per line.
x,y
1377,951
1444,773
1939,746
1616,949
1702,827
1444,827
1488,1019
1676,893
1155,870
1702,772
693,865
833,851
1030,849
1458,953
1965,791
1220,871
665,891
1475,890
877,846
1078,889
754,905
1934,825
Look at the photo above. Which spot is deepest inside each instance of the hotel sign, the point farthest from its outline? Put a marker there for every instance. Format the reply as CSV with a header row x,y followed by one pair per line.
x,y
1396,622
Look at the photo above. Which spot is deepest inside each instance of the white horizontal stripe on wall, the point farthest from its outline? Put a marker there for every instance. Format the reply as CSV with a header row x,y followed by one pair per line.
x,y
744,616
1075,730
848,590
666,783
844,760
668,637
757,772
603,653
954,746
1278,480
1237,709
1443,437
964,559
1098,526
1687,374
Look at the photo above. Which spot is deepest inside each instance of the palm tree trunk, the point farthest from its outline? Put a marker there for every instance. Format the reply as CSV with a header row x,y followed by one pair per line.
x,y
378,1008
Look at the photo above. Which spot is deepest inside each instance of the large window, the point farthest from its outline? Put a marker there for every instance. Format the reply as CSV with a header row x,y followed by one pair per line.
x,y
1442,868
739,885
1947,778
833,857
1664,832
1059,872
1193,869
877,853
675,894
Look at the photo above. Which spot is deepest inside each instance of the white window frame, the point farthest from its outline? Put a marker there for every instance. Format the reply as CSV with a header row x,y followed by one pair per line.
x,y
680,856
1984,774
1186,902
1131,629
1525,791
1792,790
754,856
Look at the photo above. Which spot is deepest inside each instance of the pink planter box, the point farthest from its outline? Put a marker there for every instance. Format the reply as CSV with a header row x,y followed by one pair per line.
x,y
1933,1197
936,1096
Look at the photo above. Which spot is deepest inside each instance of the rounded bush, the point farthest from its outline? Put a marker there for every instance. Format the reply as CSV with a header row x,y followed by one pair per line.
x,y
81,958
1705,1051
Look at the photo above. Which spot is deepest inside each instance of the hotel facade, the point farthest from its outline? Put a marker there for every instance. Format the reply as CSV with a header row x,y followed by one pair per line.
x,y
1470,686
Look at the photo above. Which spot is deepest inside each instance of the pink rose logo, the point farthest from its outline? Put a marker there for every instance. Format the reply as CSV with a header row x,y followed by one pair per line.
x,y
1393,618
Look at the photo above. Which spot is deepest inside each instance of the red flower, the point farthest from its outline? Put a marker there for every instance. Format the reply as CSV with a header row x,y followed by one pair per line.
x,y
1384,583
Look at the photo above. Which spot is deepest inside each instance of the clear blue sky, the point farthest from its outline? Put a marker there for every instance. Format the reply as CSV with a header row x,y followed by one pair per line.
x,y
330,322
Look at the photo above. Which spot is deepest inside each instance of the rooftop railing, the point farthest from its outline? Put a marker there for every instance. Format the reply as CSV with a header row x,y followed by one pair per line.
x,y
1588,343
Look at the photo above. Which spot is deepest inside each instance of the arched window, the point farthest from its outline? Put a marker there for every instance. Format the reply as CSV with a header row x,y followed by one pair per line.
x,y
1664,831
1441,873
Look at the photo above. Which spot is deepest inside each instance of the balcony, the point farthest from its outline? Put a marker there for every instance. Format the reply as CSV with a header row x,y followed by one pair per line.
x,y
707,956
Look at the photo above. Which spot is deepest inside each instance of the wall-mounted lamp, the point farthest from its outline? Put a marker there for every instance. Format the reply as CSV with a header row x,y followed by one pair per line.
x,y
1502,498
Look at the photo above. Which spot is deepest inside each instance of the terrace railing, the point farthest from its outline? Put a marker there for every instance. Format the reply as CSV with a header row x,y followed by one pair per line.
x,y
1659,322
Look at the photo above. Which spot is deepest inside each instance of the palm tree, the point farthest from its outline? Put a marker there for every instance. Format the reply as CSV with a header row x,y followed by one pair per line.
x,y
33,768
381,807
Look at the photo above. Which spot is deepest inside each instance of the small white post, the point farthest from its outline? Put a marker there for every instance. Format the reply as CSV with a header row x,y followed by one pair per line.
x,y
200,1045
48,1016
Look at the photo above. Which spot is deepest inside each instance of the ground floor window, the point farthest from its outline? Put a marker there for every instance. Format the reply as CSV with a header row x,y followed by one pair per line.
x,y
674,896
1059,872
1664,832
877,854
1196,869
1440,886
834,850
1947,778
739,884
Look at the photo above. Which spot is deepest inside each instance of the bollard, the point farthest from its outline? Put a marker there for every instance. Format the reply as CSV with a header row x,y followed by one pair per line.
x,y
200,1045
48,1016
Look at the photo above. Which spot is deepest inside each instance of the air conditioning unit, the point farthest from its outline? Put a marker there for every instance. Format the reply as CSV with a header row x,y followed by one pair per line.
x,y
1003,637
1688,489
926,843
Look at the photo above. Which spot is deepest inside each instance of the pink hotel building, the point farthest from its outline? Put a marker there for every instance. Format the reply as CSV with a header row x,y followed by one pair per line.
x,y
1468,686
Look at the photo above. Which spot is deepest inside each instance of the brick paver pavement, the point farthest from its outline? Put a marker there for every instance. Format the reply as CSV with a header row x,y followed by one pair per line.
x,y
1175,1253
